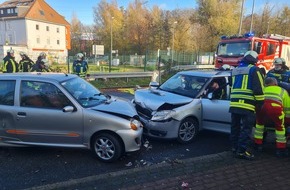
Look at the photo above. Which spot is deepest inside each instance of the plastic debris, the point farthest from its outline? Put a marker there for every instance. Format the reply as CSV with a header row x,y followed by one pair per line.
x,y
184,184
129,164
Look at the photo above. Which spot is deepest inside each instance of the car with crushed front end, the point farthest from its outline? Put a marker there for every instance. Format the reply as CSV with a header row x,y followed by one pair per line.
x,y
185,104
64,110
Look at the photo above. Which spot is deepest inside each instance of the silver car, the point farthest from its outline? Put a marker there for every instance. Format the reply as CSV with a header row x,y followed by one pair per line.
x,y
63,110
184,105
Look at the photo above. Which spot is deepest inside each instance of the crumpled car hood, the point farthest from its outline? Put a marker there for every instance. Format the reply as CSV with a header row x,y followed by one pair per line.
x,y
118,107
153,99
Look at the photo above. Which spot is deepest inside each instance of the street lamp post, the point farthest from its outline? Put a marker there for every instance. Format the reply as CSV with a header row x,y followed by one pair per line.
x,y
110,64
172,56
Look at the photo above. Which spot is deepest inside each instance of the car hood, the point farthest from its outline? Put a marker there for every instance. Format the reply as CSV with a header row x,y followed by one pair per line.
x,y
153,99
118,107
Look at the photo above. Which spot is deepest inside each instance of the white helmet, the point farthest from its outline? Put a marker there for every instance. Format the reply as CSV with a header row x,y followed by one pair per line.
x,y
42,54
80,56
22,53
10,51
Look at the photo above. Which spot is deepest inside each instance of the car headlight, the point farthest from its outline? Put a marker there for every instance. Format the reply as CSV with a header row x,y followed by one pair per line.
x,y
162,115
135,124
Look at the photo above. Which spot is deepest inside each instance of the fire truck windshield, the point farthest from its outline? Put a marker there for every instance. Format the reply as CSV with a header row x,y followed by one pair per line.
x,y
233,49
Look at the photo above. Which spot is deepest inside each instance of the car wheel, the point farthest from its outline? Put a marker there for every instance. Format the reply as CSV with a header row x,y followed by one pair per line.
x,y
107,147
187,131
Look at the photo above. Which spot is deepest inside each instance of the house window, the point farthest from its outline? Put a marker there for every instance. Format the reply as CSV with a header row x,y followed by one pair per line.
x,y
41,12
38,40
57,30
37,27
8,11
1,12
12,10
16,10
57,41
47,28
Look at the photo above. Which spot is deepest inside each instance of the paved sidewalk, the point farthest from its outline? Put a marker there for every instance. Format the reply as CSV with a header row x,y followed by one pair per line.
x,y
218,171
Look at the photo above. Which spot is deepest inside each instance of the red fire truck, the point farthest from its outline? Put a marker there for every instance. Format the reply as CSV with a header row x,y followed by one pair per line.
x,y
231,49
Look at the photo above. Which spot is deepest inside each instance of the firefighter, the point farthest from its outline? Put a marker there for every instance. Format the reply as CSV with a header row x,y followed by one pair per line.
x,y
40,66
279,72
10,65
246,97
273,112
25,64
80,66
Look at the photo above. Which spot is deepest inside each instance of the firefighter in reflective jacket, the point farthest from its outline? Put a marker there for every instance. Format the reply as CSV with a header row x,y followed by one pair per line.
x,y
246,98
80,66
25,64
272,112
10,65
279,72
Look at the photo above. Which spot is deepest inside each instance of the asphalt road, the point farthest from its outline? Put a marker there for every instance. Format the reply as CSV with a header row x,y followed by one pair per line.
x,y
22,168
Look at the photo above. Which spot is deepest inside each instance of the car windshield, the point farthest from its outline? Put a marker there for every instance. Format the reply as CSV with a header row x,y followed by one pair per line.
x,y
85,93
233,48
185,85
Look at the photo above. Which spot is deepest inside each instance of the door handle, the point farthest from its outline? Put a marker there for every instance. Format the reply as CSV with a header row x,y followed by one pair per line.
x,y
21,114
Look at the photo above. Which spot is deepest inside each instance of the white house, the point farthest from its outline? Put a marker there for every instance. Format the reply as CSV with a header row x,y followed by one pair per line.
x,y
33,26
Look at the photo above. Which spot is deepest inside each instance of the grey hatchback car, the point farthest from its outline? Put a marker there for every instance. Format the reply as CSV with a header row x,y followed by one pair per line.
x,y
63,110
185,104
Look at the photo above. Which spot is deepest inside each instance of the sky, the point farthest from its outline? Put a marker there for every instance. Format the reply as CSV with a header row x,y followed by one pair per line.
x,y
84,8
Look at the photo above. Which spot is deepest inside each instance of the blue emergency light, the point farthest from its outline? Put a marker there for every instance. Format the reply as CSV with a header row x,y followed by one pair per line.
x,y
249,34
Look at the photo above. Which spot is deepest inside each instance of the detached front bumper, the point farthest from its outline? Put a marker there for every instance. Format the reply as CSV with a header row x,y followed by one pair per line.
x,y
162,129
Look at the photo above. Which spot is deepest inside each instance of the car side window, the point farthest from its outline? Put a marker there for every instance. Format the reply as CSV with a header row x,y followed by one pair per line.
x,y
7,89
42,95
218,87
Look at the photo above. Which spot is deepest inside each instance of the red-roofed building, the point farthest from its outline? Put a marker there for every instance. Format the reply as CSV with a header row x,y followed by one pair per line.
x,y
33,26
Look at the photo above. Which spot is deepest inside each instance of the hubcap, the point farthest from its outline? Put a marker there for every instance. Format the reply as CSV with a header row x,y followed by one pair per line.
x,y
105,149
187,131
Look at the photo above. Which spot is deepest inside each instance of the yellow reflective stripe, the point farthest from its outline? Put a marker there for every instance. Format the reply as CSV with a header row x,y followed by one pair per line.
x,y
242,97
245,82
259,97
259,131
241,104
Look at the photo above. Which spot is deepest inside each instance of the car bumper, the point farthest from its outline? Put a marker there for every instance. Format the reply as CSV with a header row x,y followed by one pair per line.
x,y
131,139
161,129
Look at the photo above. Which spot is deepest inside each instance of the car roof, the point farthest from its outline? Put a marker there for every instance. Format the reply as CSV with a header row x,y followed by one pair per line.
x,y
206,73
57,77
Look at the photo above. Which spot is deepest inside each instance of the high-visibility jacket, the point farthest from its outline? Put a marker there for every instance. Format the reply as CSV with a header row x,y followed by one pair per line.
x,y
25,65
10,66
247,88
80,68
276,99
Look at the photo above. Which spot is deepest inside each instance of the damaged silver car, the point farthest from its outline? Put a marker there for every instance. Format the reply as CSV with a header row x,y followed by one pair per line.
x,y
186,103
63,110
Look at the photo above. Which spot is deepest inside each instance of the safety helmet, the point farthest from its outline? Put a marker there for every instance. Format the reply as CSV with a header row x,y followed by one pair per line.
x,y
10,51
80,56
277,61
22,53
283,61
42,54
252,53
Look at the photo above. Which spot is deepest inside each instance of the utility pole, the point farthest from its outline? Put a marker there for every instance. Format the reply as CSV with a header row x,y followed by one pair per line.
x,y
241,17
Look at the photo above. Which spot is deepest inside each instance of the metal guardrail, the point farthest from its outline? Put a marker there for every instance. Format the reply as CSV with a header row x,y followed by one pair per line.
x,y
95,76
106,75
192,67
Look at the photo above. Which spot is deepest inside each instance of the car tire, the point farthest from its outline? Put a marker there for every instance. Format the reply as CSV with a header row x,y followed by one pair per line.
x,y
107,147
187,131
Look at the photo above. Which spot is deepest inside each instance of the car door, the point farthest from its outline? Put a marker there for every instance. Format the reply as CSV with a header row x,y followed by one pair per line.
x,y
42,121
215,112
7,119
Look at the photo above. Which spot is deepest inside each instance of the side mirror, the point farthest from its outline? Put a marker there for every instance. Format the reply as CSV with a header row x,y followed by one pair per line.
x,y
68,109
153,85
